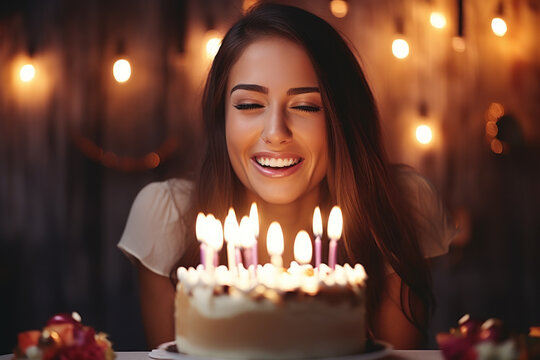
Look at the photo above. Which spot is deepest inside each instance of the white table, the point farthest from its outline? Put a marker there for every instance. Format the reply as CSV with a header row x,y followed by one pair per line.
x,y
394,355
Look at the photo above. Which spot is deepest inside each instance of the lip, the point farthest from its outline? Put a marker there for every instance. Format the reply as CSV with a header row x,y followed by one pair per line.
x,y
274,172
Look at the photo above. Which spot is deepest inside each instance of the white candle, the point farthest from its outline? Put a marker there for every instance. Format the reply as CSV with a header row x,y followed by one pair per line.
x,y
317,231
231,235
275,244
254,220
303,249
200,233
335,227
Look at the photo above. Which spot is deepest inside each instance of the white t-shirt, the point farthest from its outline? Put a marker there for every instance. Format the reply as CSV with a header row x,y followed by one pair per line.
x,y
154,233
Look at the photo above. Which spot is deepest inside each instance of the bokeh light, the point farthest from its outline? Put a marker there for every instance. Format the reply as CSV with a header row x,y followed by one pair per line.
x,y
437,20
498,25
27,73
400,48
494,111
424,135
339,8
496,146
122,70
458,44
213,44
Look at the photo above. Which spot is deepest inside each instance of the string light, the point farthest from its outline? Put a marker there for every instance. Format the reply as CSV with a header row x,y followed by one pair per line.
x,y
27,73
109,159
122,70
400,47
498,25
339,8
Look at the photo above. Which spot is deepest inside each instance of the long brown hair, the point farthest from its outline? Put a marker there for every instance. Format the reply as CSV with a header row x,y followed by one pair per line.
x,y
380,229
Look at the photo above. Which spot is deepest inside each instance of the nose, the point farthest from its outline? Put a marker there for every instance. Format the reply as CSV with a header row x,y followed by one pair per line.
x,y
276,130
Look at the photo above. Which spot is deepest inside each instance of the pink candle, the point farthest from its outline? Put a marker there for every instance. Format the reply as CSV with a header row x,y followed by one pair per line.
x,y
317,251
203,254
332,254
335,227
216,259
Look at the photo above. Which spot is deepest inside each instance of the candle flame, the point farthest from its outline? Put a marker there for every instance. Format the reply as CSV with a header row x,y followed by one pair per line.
x,y
214,232
231,228
254,219
200,227
317,222
246,233
274,239
335,223
303,250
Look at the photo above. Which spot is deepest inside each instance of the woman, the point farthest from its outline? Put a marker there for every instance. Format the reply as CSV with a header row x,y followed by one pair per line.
x,y
292,124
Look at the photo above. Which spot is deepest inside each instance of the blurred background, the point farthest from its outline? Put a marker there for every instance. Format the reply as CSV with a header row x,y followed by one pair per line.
x,y
458,87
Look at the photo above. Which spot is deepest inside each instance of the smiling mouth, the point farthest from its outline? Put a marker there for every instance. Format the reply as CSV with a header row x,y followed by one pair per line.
x,y
280,163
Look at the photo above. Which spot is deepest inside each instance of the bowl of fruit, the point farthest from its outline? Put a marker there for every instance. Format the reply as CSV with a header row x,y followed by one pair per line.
x,y
487,340
63,337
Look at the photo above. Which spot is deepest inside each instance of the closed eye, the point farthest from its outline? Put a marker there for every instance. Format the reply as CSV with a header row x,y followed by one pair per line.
x,y
247,106
307,108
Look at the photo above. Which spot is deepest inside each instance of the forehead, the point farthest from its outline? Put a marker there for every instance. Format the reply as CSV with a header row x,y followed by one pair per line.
x,y
273,62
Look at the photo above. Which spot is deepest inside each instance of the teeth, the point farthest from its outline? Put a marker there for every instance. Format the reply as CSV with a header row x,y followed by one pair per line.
x,y
277,163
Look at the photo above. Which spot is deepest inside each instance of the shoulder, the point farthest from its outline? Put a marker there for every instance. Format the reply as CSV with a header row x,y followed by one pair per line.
x,y
155,230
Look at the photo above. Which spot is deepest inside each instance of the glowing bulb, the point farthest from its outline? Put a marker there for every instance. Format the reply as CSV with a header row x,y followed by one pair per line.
x,y
437,20
122,70
498,26
339,8
212,44
27,73
400,48
424,134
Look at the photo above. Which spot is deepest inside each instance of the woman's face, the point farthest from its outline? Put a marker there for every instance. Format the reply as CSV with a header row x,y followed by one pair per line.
x,y
275,121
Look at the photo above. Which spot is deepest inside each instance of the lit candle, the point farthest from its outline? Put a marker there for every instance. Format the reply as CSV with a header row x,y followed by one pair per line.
x,y
317,231
200,232
231,235
254,220
335,226
246,239
214,241
303,249
274,244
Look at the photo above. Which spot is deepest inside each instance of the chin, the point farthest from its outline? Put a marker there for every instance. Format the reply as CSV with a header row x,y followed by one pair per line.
x,y
277,196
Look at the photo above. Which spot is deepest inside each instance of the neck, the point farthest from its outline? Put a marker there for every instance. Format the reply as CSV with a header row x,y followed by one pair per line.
x,y
293,217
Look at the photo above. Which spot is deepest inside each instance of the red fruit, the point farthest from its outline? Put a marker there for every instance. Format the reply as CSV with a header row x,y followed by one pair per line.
x,y
27,338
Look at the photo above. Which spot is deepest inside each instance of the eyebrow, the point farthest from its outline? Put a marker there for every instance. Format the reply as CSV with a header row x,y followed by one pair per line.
x,y
250,87
264,90
302,90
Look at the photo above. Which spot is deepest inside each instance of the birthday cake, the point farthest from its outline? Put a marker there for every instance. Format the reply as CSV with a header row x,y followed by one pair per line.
x,y
299,312
251,311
